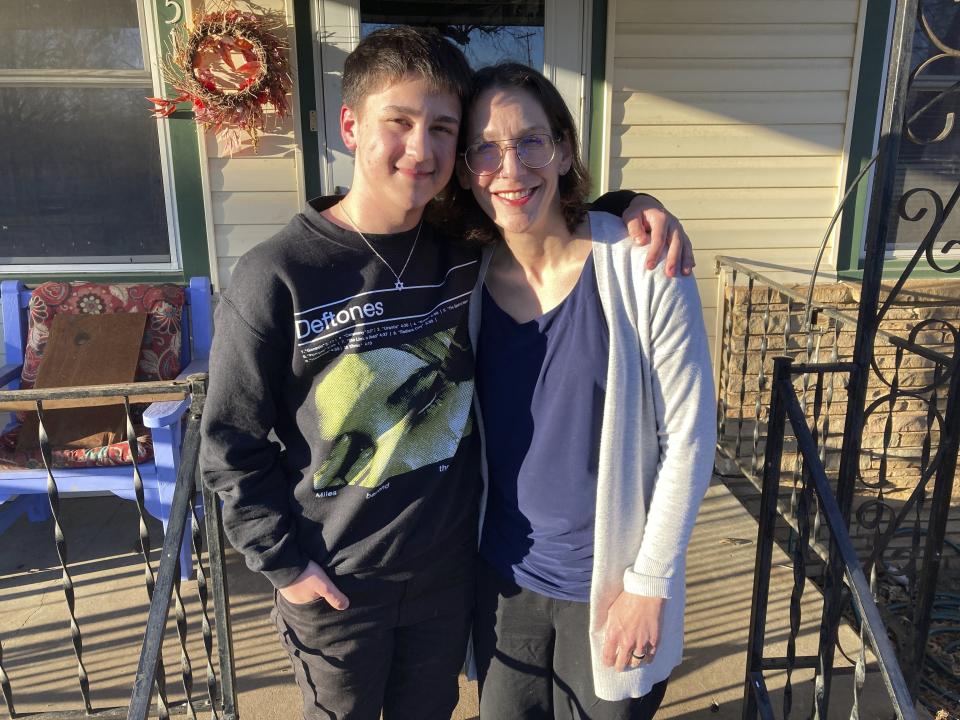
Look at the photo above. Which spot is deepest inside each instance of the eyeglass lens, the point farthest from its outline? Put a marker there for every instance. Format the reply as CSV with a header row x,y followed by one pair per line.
x,y
534,151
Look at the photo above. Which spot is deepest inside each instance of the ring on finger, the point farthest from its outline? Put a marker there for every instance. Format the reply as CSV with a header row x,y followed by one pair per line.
x,y
641,656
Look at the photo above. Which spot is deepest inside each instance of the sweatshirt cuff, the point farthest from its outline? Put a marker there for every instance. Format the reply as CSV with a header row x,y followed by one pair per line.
x,y
282,577
284,564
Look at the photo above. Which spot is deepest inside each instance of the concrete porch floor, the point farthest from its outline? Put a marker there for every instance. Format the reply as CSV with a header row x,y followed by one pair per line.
x,y
111,608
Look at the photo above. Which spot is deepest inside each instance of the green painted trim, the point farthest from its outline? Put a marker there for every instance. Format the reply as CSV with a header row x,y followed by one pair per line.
x,y
598,73
868,101
188,196
306,91
893,269
185,162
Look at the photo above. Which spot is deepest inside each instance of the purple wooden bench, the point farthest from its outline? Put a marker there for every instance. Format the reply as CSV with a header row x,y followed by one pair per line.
x,y
25,490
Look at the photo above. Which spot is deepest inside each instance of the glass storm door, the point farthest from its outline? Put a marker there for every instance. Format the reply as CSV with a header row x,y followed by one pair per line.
x,y
550,35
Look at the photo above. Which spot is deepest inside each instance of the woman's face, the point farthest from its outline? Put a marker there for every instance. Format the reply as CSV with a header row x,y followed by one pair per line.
x,y
517,198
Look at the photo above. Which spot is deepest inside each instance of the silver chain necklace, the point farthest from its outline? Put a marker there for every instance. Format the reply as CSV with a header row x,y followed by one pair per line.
x,y
399,283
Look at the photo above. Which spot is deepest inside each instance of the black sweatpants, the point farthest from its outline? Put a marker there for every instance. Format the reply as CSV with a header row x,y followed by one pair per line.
x,y
399,647
533,657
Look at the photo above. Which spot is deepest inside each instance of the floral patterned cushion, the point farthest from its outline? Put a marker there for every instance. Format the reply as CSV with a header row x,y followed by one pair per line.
x,y
106,456
159,357
160,351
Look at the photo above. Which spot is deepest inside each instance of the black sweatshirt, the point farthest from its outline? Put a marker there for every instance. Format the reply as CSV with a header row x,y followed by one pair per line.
x,y
375,464
368,388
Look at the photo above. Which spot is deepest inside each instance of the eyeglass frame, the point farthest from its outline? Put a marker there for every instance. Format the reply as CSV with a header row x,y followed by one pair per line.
x,y
503,152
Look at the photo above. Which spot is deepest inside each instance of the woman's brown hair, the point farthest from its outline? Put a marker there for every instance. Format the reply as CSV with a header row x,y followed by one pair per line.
x,y
461,212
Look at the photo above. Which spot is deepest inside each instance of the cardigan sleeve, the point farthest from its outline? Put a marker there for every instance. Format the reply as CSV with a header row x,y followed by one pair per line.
x,y
685,405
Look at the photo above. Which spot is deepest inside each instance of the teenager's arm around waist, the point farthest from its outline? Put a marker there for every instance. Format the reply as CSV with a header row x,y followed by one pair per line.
x,y
238,459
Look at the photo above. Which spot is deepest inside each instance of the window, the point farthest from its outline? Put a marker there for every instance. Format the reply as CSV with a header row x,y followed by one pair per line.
x,y
84,182
930,148
487,34
554,37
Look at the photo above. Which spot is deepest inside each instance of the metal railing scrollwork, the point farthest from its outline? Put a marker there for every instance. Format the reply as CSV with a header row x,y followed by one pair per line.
x,y
788,417
163,585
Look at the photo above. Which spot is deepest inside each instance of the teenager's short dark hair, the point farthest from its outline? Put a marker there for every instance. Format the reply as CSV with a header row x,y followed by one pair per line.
x,y
574,185
392,53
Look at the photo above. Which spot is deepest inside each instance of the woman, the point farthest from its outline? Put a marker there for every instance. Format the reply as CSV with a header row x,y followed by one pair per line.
x,y
592,488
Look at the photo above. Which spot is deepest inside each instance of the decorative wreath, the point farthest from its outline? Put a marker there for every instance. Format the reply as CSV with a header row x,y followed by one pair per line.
x,y
265,72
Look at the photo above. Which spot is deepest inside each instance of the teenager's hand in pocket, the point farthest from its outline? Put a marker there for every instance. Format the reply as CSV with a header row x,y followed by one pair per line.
x,y
311,584
650,223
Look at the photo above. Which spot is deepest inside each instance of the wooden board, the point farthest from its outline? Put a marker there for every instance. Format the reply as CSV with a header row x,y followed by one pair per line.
x,y
664,173
738,11
234,240
671,75
252,174
725,140
86,350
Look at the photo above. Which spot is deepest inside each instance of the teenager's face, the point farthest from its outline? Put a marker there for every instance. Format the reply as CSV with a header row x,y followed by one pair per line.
x,y
517,198
405,141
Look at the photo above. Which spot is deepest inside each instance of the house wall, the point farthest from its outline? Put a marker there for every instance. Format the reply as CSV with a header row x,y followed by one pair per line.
x,y
735,115
252,195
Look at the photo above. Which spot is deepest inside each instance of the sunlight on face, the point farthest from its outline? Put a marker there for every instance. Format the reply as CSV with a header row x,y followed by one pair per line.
x,y
518,198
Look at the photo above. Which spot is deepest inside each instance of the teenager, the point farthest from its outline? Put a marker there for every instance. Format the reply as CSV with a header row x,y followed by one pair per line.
x,y
596,407
345,334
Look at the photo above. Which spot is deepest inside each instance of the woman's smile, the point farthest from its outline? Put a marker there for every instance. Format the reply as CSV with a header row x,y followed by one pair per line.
x,y
515,198
518,197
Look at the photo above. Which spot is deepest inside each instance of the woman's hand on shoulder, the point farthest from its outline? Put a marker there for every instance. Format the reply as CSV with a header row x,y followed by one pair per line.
x,y
650,223
632,630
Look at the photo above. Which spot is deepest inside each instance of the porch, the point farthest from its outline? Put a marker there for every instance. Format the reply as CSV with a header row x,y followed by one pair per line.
x,y
111,607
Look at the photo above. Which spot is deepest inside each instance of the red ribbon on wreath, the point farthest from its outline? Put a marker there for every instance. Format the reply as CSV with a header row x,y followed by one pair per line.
x,y
265,75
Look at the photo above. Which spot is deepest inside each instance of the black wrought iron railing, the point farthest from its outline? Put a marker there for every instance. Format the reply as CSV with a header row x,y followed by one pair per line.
x,y
150,669
814,510
163,585
874,405
906,397
900,494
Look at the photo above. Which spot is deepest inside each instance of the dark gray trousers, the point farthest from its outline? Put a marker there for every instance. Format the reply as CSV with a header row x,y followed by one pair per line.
x,y
533,658
398,648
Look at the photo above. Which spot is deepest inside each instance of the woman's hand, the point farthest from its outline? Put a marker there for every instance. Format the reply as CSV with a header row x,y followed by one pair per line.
x,y
650,223
632,629
312,583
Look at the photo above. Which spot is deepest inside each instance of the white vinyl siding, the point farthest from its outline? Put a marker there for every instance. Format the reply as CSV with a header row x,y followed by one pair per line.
x,y
252,195
735,115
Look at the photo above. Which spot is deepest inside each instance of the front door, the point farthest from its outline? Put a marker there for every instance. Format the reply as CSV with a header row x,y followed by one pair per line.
x,y
550,35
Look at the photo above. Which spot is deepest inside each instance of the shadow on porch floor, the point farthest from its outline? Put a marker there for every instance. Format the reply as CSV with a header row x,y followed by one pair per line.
x,y
111,608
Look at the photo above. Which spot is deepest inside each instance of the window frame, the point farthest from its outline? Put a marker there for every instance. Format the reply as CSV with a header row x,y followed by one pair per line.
x,y
319,92
850,249
179,148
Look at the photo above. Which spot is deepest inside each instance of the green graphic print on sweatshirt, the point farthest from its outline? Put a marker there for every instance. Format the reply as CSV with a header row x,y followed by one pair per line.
x,y
407,411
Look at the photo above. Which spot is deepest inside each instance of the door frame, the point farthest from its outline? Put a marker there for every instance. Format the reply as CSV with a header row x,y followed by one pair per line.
x,y
328,30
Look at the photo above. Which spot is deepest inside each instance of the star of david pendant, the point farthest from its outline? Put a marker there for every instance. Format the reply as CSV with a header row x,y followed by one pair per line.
x,y
398,285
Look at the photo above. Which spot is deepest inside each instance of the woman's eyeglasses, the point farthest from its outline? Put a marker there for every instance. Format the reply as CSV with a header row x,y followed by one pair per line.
x,y
486,157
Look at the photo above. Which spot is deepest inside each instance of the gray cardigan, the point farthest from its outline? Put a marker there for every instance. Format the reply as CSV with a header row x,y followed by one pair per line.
x,y
656,448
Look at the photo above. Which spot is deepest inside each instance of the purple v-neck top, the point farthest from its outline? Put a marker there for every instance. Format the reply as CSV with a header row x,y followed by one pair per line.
x,y
541,386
